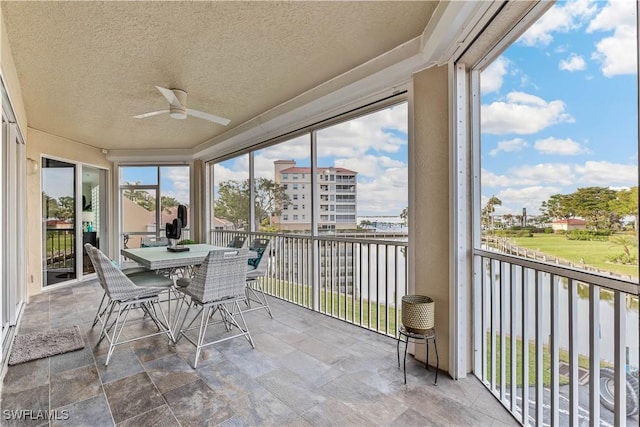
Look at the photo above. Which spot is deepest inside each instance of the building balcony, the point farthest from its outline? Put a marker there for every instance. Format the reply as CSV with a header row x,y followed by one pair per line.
x,y
307,369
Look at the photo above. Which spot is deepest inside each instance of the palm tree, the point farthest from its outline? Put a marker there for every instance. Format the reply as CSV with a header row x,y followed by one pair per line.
x,y
489,209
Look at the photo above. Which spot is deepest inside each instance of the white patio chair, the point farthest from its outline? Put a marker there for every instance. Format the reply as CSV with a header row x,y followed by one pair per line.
x,y
121,291
129,271
257,268
219,281
238,241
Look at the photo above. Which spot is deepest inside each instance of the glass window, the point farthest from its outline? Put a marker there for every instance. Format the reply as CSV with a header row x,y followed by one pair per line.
x,y
274,165
150,196
295,217
363,164
231,194
285,217
556,167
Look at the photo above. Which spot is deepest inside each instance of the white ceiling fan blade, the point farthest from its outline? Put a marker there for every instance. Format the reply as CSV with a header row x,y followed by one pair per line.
x,y
207,116
153,113
171,97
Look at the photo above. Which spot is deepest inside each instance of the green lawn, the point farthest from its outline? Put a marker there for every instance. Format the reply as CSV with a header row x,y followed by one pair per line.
x,y
583,361
594,253
338,304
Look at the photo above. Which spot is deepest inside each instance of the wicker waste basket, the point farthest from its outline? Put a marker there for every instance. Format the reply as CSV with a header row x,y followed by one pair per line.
x,y
418,313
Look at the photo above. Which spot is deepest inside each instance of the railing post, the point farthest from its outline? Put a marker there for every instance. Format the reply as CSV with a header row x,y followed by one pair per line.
x,y
594,355
619,334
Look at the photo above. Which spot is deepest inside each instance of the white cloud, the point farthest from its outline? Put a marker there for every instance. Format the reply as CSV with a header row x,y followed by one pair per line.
x,y
385,195
522,114
564,147
509,146
514,199
615,53
574,62
297,149
613,15
490,179
604,174
371,132
369,165
226,173
530,175
492,77
528,185
559,18
179,176
542,173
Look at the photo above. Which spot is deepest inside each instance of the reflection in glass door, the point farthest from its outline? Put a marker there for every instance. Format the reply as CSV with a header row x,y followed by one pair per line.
x,y
93,212
58,221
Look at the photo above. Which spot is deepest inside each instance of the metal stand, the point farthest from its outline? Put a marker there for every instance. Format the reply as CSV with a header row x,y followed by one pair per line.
x,y
430,335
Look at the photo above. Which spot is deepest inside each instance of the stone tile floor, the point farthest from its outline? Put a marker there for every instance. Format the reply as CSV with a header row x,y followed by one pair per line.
x,y
306,369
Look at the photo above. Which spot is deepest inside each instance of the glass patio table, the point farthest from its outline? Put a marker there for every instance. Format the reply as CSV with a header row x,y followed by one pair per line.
x,y
159,258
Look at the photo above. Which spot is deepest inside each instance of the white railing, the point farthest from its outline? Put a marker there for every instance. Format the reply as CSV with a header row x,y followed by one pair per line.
x,y
360,281
556,345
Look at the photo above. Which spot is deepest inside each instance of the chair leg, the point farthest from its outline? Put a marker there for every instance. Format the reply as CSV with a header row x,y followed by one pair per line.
x,y
253,292
117,332
181,331
100,311
203,329
104,330
244,329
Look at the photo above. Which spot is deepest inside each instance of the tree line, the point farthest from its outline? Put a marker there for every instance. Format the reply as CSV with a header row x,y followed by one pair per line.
x,y
64,207
233,202
602,208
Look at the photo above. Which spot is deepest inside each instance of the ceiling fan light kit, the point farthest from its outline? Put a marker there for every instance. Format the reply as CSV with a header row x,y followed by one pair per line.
x,y
178,108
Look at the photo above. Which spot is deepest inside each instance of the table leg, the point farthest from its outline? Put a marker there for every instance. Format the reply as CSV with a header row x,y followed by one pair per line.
x,y
397,348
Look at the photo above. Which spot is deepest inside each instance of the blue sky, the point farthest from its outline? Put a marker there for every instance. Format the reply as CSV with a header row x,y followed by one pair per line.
x,y
559,106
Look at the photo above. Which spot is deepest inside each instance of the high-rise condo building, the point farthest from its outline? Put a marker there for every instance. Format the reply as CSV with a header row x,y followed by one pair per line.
x,y
337,197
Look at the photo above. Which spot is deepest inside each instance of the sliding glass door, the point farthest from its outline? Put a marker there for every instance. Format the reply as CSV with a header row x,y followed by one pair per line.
x,y
73,213
59,221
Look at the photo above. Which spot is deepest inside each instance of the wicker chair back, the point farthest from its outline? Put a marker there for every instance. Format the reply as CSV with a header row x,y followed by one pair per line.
x,y
222,275
115,283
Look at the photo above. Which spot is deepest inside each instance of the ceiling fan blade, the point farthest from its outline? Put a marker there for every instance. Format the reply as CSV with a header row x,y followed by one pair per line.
x,y
207,116
171,97
153,113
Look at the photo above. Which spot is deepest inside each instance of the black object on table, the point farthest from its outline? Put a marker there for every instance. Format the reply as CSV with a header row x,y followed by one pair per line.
x,y
429,335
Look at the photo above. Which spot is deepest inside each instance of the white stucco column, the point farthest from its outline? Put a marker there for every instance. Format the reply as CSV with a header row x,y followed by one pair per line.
x,y
429,214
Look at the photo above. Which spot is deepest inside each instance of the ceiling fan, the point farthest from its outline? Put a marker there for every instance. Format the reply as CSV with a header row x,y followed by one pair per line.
x,y
178,108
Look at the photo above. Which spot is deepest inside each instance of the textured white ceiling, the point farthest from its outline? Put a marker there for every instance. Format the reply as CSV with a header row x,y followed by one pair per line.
x,y
86,68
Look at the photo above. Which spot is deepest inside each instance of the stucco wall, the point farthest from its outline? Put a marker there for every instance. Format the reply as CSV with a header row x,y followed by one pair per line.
x,y
430,239
42,144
